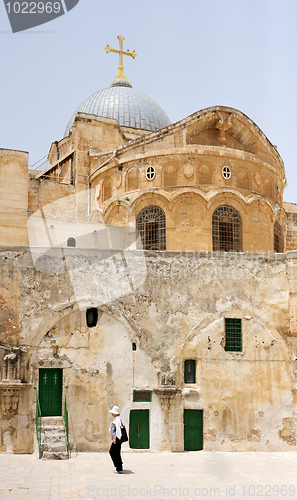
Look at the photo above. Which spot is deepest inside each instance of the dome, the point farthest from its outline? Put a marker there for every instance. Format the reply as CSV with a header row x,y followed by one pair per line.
x,y
130,107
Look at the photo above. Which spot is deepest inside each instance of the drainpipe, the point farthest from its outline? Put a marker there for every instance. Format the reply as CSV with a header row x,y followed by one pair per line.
x,y
88,180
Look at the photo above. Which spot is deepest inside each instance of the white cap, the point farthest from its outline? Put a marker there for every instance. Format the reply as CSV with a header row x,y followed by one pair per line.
x,y
115,410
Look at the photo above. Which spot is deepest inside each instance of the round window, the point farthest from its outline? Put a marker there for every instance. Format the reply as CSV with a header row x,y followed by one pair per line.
x,y
150,173
226,172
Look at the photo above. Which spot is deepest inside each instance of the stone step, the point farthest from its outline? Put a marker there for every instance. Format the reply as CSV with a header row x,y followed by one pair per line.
x,y
53,439
47,429
55,455
55,447
53,421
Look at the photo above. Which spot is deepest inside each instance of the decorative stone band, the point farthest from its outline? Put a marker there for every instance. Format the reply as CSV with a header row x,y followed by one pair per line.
x,y
10,394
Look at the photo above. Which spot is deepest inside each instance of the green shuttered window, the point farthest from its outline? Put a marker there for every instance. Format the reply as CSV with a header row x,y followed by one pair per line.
x,y
233,334
190,371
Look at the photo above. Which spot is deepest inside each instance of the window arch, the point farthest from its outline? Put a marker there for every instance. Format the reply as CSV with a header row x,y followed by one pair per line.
x,y
151,227
278,238
71,242
226,229
107,189
132,179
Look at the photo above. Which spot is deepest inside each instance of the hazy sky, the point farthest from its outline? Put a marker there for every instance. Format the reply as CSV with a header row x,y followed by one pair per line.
x,y
191,54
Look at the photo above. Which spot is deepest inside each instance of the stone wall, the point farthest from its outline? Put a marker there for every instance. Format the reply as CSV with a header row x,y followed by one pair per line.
x,y
13,197
171,307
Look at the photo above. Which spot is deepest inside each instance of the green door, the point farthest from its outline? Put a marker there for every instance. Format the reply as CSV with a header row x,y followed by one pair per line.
x,y
193,430
139,429
50,392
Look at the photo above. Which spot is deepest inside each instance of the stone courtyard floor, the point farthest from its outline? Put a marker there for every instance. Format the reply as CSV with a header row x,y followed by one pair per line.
x,y
158,476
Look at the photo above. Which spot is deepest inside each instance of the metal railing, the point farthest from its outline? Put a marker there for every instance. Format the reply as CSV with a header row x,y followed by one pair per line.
x,y
66,422
38,423
41,165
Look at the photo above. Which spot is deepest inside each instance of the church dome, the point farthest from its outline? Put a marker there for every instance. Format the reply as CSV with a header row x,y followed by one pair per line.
x,y
130,107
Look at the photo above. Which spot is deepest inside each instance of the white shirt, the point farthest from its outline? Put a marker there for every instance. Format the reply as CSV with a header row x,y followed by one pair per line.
x,y
115,427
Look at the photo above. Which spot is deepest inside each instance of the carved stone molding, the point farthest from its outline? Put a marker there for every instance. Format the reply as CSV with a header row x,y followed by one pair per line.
x,y
10,394
12,363
167,389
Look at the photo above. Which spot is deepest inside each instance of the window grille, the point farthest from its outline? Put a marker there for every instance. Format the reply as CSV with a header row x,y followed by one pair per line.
x,y
226,229
278,238
190,371
233,335
226,172
151,227
150,173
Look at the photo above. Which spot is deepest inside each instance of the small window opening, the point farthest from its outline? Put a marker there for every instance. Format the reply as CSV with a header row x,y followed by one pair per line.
x,y
233,335
190,371
71,242
92,317
133,346
278,238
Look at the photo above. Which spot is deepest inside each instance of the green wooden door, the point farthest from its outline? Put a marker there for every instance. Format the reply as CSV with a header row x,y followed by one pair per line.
x,y
139,429
50,392
193,430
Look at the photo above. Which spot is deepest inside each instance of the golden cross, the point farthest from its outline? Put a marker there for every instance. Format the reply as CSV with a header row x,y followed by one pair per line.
x,y
121,52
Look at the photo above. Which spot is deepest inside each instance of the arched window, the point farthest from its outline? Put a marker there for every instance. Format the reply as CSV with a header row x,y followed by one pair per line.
x,y
278,238
92,317
226,229
107,189
132,179
151,227
71,242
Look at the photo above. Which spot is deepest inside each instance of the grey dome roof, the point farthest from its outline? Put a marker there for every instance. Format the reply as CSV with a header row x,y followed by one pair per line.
x,y
130,107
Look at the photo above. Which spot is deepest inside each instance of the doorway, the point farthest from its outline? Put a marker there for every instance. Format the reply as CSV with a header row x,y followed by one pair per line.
x,y
50,392
139,434
193,430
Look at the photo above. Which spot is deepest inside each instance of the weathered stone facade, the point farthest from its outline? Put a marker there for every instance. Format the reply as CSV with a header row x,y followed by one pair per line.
x,y
158,309
248,398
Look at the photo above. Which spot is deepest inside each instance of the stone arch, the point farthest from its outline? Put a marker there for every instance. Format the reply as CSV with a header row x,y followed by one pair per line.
x,y
98,378
118,214
151,198
132,179
151,226
106,189
226,229
228,197
278,237
187,195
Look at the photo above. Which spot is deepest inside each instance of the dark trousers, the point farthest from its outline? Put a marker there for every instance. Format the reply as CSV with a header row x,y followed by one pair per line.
x,y
115,453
